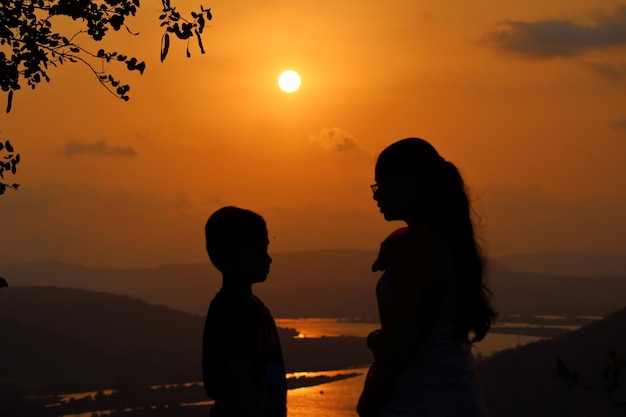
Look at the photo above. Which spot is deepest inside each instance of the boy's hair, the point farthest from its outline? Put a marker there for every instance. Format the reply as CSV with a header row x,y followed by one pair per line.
x,y
228,229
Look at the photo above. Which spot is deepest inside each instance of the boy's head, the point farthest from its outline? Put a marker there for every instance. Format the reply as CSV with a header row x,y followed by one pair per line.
x,y
237,241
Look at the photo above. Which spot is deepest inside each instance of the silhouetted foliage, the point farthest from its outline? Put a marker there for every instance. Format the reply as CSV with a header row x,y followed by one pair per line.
x,y
31,43
611,374
8,163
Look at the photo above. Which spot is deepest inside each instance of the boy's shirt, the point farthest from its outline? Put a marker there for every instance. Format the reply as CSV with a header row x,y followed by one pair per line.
x,y
241,326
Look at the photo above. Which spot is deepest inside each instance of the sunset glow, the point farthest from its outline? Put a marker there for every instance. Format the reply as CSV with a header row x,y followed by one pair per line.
x,y
537,132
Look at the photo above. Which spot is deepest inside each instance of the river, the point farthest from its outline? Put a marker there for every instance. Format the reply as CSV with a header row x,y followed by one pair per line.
x,y
338,399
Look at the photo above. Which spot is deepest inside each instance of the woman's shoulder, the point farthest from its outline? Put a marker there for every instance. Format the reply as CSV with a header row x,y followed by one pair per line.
x,y
411,243
389,248
422,246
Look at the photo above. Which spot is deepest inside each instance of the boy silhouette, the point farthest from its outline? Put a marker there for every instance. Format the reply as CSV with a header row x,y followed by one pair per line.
x,y
242,361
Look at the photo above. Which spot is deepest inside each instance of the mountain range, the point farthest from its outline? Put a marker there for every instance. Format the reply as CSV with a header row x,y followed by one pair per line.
x,y
334,283
573,264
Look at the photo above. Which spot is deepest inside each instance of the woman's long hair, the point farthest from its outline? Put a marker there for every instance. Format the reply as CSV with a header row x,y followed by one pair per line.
x,y
444,204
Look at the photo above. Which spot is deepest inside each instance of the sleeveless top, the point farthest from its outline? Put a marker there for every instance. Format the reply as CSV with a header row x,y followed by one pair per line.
x,y
441,379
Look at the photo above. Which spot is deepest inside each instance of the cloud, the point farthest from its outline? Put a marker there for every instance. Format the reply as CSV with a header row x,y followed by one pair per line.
x,y
619,124
335,140
98,148
544,39
612,72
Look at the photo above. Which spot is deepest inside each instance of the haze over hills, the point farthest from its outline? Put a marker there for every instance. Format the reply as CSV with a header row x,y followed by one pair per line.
x,y
542,294
167,285
331,283
582,264
297,284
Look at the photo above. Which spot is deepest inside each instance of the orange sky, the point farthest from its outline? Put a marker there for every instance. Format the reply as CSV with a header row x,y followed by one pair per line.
x,y
527,98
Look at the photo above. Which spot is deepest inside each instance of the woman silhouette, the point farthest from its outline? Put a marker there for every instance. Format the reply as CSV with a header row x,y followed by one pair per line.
x,y
432,299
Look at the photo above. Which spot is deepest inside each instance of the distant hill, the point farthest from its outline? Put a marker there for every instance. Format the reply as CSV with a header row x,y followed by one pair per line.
x,y
520,382
66,340
332,283
59,340
182,287
529,293
70,337
569,264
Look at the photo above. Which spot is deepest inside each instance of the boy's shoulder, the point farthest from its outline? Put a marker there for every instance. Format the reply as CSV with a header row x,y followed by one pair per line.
x,y
240,304
231,296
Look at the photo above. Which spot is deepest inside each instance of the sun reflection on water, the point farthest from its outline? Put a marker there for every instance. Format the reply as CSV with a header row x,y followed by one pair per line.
x,y
334,399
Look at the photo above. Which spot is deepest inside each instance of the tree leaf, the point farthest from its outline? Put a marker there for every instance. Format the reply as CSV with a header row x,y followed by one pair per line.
x,y
165,46
141,67
9,101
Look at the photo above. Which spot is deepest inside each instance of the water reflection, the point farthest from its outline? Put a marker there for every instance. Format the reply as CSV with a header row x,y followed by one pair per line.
x,y
319,327
330,327
82,395
334,399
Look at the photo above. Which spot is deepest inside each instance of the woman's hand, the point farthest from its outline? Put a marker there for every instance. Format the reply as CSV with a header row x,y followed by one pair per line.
x,y
373,341
370,403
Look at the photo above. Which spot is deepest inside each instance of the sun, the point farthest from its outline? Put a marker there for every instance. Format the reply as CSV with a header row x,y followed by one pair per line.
x,y
289,81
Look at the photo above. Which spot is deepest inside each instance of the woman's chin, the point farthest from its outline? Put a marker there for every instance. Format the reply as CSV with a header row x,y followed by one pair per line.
x,y
392,217
389,217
